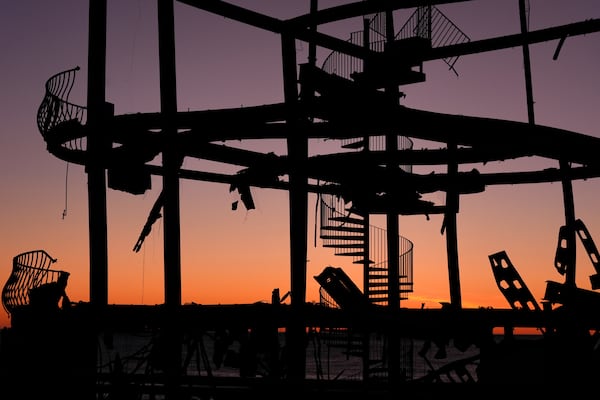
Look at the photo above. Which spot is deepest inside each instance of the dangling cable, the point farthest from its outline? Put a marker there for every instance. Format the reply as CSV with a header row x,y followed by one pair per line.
x,y
64,214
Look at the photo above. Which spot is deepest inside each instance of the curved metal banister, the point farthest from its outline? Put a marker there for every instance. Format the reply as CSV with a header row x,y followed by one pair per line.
x,y
30,270
56,108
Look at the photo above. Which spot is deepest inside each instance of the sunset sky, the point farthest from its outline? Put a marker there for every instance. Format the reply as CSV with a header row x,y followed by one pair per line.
x,y
241,256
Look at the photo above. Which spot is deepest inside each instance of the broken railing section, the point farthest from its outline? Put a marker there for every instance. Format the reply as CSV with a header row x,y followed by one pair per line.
x,y
342,289
563,251
33,283
511,284
55,107
575,301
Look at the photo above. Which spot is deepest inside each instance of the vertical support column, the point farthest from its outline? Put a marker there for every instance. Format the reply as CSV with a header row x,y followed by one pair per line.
x,y
171,163
569,204
96,146
564,166
96,174
297,148
392,225
366,232
171,157
526,63
450,226
312,47
393,235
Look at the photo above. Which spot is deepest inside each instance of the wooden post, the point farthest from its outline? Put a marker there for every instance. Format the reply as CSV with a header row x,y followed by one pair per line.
x,y
297,147
96,146
97,216
171,163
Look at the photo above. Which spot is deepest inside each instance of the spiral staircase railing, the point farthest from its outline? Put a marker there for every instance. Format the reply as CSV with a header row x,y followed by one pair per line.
x,y
344,232
427,22
430,23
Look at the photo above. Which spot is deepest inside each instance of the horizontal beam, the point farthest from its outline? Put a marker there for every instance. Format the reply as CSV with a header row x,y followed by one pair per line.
x,y
519,39
237,13
357,9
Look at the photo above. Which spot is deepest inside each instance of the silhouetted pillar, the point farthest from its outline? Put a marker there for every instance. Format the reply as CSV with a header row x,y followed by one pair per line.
x,y
96,174
450,227
567,185
392,225
526,63
569,204
297,148
312,47
171,156
171,163
96,146
366,346
393,236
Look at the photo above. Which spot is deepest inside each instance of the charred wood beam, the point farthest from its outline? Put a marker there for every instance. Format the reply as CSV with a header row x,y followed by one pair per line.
x,y
487,179
238,13
415,322
359,8
275,25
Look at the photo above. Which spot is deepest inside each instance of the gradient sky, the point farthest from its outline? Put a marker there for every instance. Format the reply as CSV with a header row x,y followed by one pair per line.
x,y
241,256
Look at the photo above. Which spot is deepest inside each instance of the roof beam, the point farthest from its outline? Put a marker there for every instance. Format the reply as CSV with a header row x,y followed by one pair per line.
x,y
519,39
237,13
358,9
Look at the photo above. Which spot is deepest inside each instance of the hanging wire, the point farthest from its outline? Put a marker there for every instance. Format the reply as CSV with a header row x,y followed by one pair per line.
x,y
64,213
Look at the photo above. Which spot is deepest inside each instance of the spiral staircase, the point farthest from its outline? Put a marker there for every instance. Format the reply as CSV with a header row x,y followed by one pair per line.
x,y
343,227
346,228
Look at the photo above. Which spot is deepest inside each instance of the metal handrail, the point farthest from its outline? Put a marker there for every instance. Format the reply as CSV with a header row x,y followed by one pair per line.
x,y
30,270
428,22
330,206
55,107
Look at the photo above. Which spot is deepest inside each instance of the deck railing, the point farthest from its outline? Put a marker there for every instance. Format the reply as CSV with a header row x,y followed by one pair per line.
x,y
428,22
56,108
29,271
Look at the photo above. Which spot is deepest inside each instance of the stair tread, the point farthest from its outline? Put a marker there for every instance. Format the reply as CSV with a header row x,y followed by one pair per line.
x,y
378,268
351,253
343,228
343,237
380,284
348,219
345,245
382,291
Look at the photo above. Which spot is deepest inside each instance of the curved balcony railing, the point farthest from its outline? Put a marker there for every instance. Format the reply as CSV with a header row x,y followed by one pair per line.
x,y
30,270
56,109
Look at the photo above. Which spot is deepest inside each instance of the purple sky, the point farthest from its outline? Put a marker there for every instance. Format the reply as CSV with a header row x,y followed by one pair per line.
x,y
221,64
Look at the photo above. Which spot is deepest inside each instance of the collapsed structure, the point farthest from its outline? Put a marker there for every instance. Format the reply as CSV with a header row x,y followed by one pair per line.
x,y
353,97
